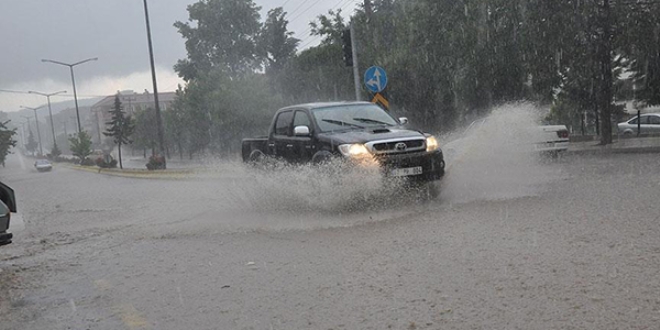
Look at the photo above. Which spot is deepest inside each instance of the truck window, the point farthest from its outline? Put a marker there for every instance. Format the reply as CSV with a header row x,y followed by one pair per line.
x,y
283,123
301,119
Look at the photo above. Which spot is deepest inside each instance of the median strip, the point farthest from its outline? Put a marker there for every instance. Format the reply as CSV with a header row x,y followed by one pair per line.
x,y
134,173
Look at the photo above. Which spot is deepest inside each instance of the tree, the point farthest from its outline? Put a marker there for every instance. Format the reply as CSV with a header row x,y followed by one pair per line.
x,y
220,34
145,134
120,127
55,151
275,41
6,141
81,145
32,145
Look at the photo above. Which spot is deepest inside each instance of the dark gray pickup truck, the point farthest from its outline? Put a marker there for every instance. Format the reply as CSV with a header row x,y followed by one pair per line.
x,y
354,131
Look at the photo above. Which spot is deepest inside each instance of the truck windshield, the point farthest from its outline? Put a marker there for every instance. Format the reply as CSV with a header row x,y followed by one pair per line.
x,y
351,117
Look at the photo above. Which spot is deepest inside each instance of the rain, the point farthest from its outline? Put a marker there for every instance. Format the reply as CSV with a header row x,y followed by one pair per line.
x,y
303,164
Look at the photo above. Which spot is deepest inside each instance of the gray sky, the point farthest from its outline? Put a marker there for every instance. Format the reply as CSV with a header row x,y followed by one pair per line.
x,y
113,31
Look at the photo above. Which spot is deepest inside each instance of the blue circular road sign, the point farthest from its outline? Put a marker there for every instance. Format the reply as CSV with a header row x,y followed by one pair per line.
x,y
375,79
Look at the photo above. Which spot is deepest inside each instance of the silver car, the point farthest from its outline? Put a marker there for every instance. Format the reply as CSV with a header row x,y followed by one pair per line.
x,y
648,123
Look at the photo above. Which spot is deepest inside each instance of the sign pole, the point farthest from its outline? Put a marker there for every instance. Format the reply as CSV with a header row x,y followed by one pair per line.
x,y
356,70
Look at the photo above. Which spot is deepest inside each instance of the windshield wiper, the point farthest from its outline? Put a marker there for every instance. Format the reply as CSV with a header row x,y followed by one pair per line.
x,y
373,121
339,122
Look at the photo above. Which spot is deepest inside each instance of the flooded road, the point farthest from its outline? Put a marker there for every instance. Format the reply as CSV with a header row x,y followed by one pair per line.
x,y
577,247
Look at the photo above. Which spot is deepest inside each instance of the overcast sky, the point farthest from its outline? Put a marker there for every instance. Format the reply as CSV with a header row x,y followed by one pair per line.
x,y
113,31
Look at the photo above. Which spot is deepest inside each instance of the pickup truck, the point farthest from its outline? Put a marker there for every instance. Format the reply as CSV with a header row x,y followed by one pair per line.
x,y
357,132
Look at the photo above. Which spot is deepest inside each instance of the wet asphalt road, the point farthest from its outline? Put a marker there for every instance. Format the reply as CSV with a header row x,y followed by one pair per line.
x,y
570,244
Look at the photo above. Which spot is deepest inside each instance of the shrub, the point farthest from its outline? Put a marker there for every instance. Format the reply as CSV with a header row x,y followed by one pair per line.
x,y
100,162
87,162
156,163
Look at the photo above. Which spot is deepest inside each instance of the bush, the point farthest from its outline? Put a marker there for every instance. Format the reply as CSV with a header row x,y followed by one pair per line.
x,y
156,163
100,162
87,162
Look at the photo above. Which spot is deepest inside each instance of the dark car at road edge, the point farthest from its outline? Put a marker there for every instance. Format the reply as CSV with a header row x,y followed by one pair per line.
x,y
7,205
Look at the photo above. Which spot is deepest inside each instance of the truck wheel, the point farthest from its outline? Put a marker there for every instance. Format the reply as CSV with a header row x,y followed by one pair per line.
x,y
256,158
321,157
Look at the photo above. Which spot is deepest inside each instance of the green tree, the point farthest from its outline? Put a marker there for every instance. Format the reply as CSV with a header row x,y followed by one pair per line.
x,y
145,134
276,42
6,141
220,34
120,127
55,151
31,145
81,145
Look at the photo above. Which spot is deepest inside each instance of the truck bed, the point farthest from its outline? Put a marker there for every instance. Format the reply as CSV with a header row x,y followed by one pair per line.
x,y
250,144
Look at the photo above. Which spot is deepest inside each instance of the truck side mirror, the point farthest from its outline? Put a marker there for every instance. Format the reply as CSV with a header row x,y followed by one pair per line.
x,y
301,131
403,120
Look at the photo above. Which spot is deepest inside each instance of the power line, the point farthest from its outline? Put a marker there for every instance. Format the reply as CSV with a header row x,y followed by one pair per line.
x,y
339,3
306,10
299,6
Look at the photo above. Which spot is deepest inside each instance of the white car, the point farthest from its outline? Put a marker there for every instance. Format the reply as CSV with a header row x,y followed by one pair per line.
x,y
551,138
43,165
648,123
501,137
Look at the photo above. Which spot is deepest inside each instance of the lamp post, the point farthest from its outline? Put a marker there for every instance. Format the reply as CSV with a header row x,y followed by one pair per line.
x,y
159,121
36,120
73,82
50,112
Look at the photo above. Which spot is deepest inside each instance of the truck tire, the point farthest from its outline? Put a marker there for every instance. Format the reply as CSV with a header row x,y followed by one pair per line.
x,y
256,158
322,157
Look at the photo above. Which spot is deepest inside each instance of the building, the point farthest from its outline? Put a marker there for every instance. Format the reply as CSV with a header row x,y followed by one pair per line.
x,y
132,103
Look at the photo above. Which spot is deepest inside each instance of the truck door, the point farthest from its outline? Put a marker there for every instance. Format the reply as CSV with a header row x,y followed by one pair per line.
x,y
278,143
302,148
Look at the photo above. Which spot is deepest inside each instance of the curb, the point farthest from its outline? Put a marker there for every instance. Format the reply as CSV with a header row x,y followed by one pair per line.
x,y
133,173
606,150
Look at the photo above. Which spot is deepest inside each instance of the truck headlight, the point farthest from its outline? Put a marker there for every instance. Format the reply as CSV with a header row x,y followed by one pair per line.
x,y
431,143
353,150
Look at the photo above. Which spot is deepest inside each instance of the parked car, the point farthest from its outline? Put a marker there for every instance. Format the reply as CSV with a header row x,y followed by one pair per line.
x,y
43,165
7,205
648,123
353,131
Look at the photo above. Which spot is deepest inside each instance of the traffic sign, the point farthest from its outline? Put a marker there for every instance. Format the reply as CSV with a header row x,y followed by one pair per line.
x,y
375,79
381,100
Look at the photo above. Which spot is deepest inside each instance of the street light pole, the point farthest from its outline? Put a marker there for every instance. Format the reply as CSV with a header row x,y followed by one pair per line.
x,y
159,121
73,82
36,120
50,112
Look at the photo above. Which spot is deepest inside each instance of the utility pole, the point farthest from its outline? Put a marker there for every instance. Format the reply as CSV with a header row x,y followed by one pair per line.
x,y
65,131
606,71
159,120
356,70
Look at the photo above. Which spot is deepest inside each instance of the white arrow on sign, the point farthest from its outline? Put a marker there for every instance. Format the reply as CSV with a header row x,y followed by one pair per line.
x,y
376,80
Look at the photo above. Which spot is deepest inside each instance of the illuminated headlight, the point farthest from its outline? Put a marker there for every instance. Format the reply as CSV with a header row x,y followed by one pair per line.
x,y
431,144
353,150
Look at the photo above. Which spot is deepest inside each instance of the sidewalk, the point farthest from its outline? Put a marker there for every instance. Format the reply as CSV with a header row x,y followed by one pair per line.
x,y
620,146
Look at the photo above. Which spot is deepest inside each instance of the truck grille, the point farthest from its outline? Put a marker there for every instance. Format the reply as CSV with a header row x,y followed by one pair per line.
x,y
397,146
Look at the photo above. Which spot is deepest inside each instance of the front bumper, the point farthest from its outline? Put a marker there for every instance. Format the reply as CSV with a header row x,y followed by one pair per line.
x,y
5,238
432,164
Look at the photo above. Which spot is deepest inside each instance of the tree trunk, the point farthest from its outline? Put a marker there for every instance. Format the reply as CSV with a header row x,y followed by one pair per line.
x,y
606,72
180,150
120,164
